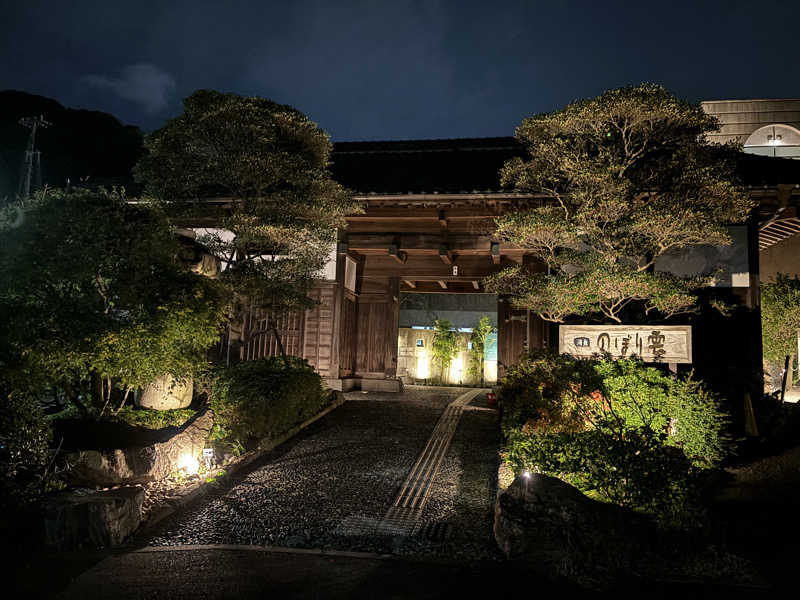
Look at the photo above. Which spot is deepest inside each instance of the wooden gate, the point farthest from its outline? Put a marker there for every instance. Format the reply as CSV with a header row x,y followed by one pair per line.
x,y
258,341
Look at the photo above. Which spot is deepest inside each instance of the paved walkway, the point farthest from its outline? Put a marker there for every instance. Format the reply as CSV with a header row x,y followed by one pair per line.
x,y
197,573
312,519
404,474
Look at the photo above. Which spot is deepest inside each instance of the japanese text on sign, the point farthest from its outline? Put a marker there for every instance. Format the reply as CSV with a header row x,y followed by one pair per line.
x,y
651,343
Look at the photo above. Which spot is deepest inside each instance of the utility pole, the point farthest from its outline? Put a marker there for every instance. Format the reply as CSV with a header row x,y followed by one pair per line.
x,y
33,158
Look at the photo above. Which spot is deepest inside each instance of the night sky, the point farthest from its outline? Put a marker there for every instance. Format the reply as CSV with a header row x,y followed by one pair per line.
x,y
394,69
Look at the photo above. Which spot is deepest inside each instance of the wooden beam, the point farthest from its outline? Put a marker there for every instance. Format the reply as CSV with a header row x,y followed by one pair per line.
x,y
445,254
398,255
443,284
411,284
418,268
422,214
495,251
423,243
476,284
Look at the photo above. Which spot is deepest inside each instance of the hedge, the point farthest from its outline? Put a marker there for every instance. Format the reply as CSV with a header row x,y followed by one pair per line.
x,y
264,398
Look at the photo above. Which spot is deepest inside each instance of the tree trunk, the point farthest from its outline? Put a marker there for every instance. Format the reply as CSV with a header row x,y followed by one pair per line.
x,y
281,349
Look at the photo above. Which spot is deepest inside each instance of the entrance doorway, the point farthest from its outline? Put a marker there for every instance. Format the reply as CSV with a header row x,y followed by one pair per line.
x,y
462,313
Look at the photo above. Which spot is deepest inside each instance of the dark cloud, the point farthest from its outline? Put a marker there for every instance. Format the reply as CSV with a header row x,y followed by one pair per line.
x,y
142,83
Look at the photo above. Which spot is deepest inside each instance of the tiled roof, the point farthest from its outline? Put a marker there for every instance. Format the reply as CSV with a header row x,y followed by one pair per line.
x,y
767,171
423,166
473,165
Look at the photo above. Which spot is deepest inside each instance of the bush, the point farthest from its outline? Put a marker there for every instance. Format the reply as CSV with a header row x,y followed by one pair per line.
x,y
780,318
264,399
154,419
551,393
643,396
618,430
634,468
544,391
25,436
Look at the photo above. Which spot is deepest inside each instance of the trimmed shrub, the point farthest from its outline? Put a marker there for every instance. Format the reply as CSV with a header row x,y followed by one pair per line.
x,y
154,419
631,467
544,390
643,396
619,431
264,399
551,393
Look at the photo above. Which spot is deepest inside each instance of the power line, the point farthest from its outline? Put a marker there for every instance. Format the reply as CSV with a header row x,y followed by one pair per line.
x,y
32,163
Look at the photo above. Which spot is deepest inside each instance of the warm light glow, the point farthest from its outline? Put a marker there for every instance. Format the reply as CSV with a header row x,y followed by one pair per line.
x,y
422,366
458,366
526,474
189,464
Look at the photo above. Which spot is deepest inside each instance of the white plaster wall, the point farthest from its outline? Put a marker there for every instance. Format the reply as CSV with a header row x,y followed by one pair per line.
x,y
731,261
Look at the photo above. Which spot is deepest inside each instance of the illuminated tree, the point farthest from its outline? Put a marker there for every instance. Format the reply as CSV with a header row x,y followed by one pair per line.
x,y
93,294
479,340
445,345
266,167
619,180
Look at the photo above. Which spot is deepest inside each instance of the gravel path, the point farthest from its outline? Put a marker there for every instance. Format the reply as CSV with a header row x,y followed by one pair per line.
x,y
349,466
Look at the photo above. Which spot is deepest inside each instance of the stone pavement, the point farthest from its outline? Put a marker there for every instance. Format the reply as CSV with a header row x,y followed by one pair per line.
x,y
332,486
199,573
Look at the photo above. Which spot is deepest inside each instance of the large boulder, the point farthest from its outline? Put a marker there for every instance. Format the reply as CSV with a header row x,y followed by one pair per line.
x,y
140,464
556,530
166,393
99,519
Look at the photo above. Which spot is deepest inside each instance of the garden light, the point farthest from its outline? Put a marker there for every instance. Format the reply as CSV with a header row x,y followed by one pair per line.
x,y
208,457
189,464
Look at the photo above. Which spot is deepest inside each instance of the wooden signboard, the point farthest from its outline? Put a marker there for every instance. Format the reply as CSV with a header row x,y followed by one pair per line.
x,y
652,343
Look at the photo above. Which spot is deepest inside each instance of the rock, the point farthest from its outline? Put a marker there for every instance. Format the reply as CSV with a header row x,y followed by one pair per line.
x,y
556,530
166,393
100,519
140,464
792,394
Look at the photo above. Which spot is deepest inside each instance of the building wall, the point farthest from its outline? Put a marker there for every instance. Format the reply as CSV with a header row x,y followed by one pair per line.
x,y
730,263
783,257
415,363
740,118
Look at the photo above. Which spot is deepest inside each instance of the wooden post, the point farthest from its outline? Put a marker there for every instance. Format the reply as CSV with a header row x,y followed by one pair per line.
x,y
750,425
787,366
528,330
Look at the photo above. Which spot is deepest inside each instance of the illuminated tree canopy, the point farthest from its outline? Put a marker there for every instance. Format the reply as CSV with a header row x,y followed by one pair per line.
x,y
271,162
619,180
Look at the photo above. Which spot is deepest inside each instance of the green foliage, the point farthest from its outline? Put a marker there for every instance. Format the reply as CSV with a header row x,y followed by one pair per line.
x,y
630,466
25,436
544,391
618,430
644,396
445,345
154,419
264,399
93,291
272,162
626,177
780,317
479,338
594,290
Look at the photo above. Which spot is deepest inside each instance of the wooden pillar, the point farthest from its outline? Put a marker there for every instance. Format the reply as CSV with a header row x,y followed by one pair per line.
x,y
393,325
